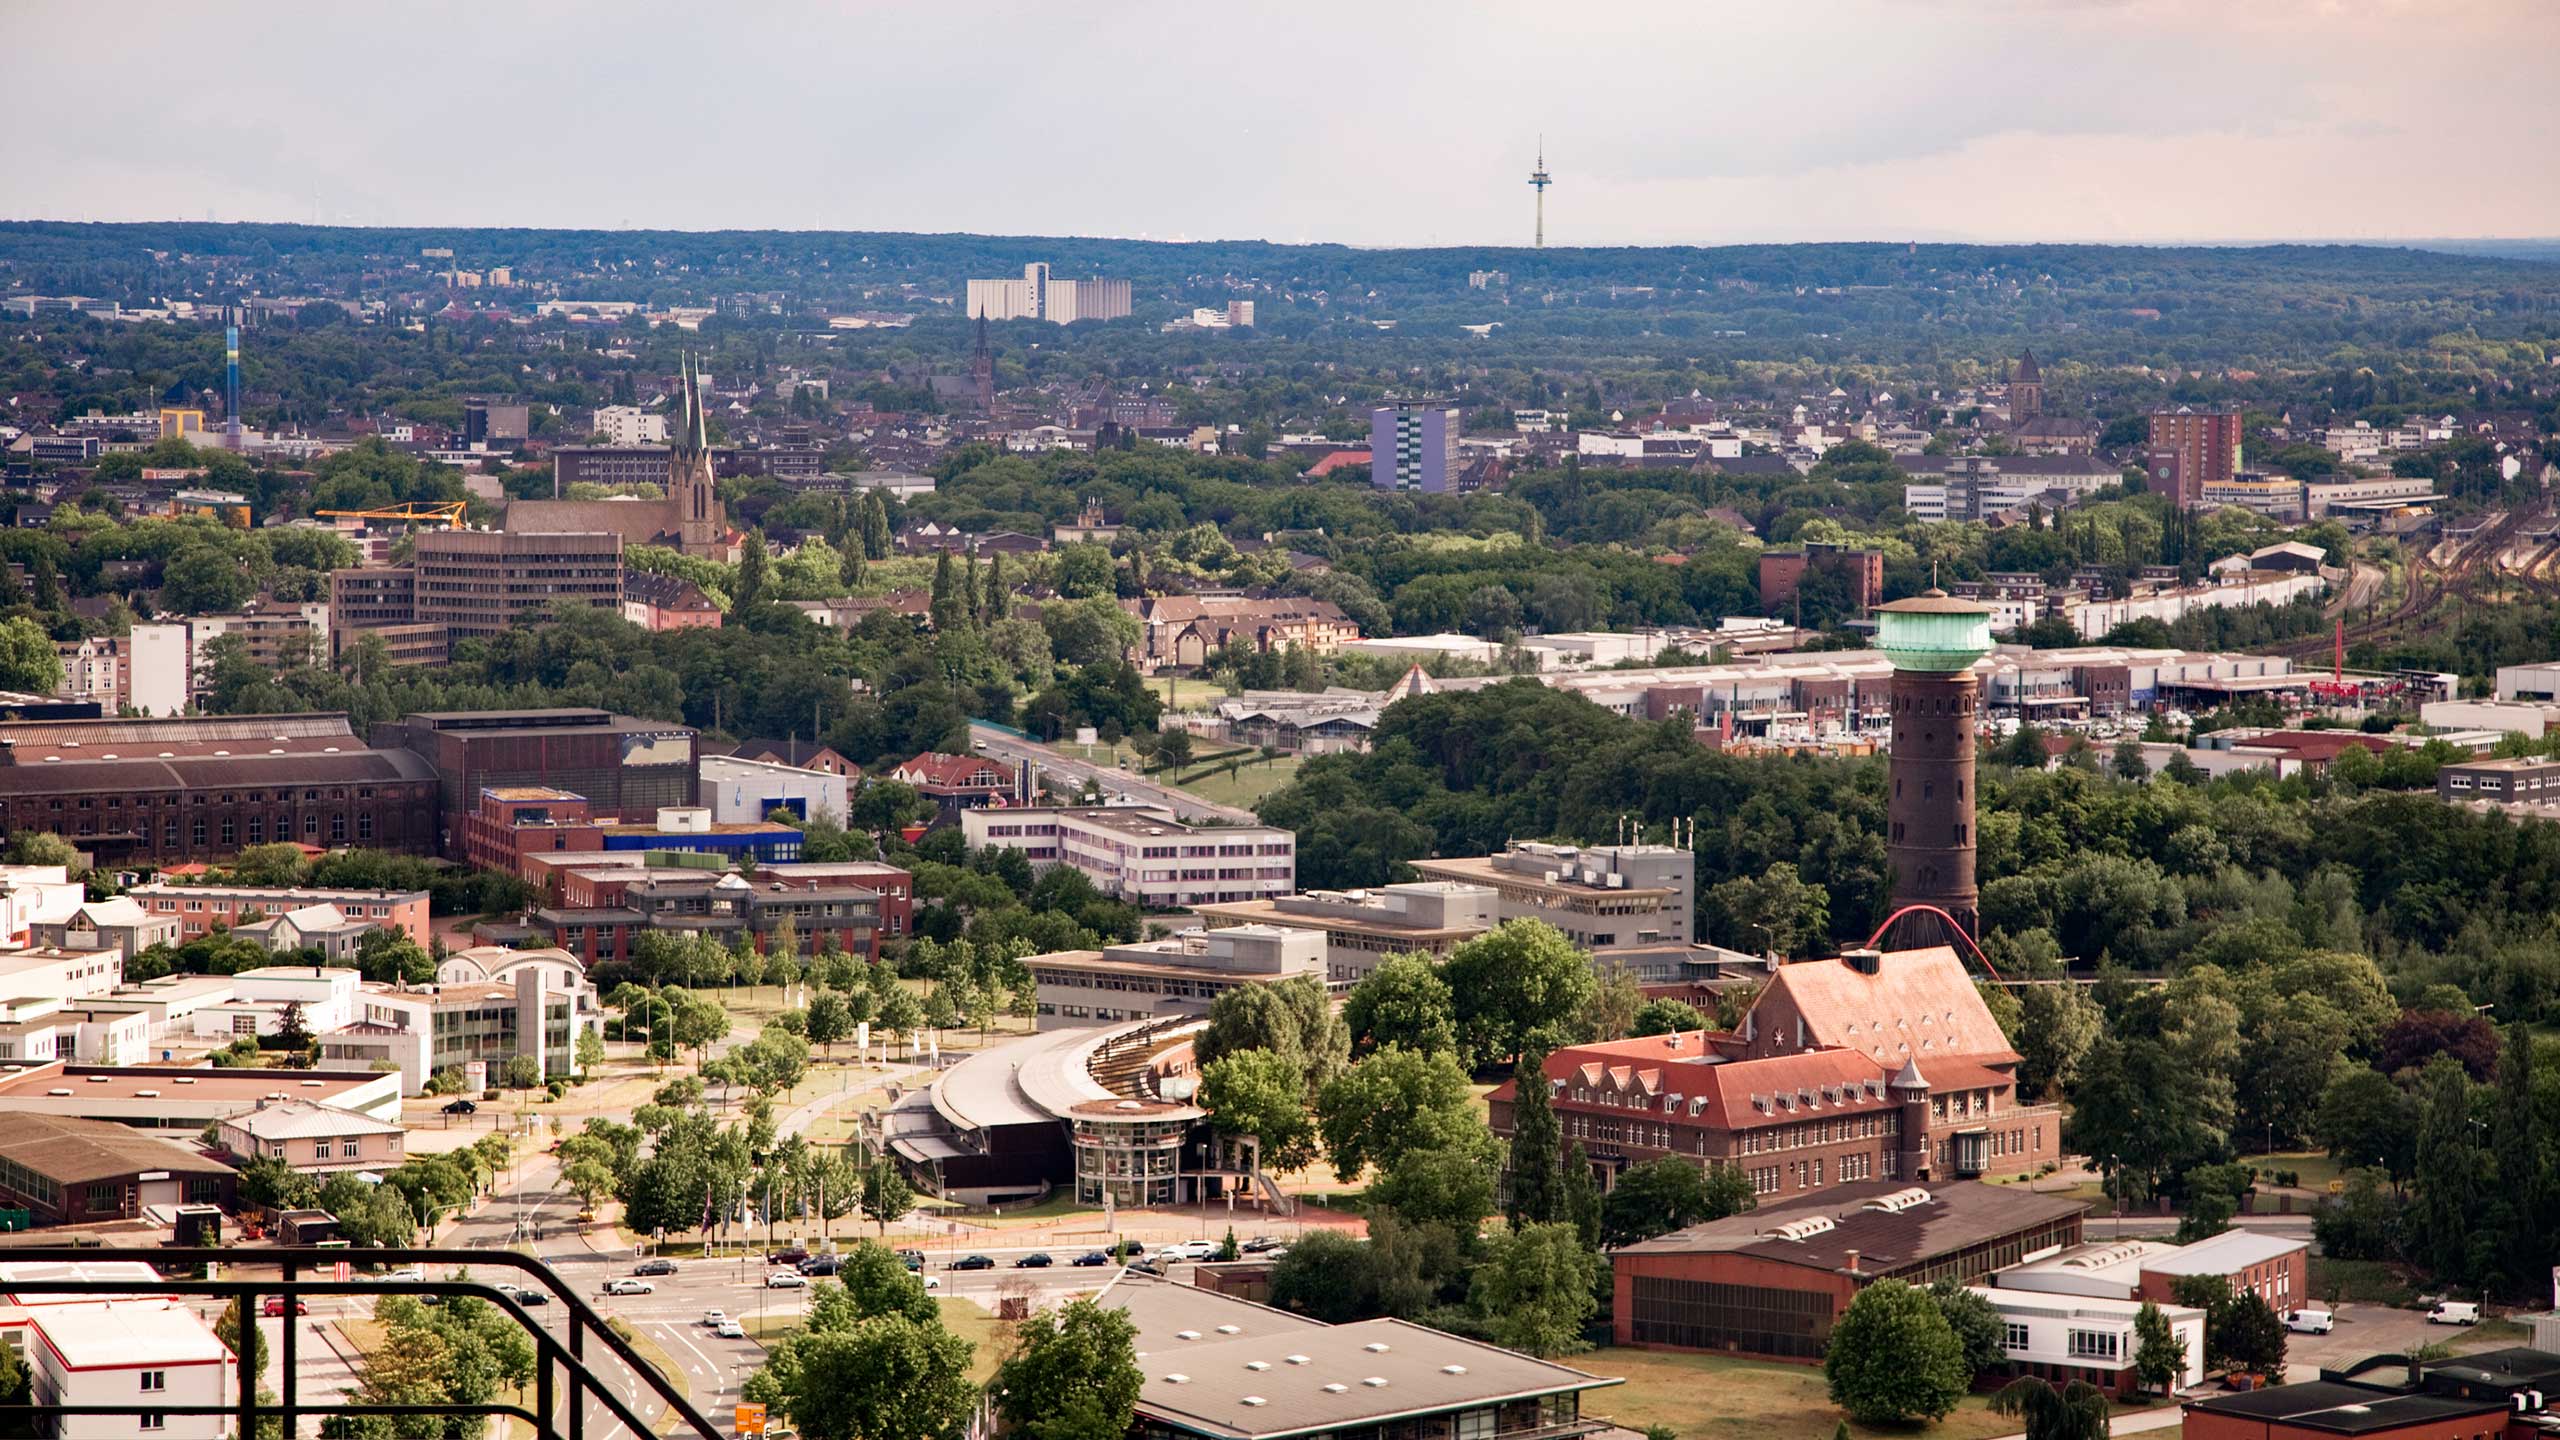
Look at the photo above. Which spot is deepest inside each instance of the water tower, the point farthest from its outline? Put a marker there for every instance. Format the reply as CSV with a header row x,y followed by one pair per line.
x,y
1933,641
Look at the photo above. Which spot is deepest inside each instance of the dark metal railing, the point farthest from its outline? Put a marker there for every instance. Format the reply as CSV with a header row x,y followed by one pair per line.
x,y
293,1283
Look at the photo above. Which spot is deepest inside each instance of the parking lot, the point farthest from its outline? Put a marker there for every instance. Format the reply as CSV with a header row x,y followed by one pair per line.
x,y
2364,1330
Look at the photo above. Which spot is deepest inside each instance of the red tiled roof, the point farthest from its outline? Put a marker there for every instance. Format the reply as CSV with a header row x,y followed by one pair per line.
x,y
935,768
1338,460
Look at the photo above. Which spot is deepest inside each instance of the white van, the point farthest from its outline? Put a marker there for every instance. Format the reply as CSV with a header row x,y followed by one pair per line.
x,y
2454,1312
2309,1322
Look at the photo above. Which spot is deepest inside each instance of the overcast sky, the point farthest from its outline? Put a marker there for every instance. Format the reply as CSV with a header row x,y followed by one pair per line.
x,y
1387,122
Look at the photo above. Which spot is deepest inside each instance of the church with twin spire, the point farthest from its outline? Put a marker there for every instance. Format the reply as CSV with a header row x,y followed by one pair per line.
x,y
689,518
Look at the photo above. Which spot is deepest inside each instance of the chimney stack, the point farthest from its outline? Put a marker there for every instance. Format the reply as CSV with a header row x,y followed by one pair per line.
x,y
1852,1266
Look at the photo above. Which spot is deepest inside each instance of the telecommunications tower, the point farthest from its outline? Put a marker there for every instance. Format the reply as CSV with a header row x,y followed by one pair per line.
x,y
1539,180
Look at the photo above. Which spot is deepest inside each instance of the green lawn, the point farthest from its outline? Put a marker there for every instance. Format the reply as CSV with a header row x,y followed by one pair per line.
x,y
1707,1396
2316,1168
1244,789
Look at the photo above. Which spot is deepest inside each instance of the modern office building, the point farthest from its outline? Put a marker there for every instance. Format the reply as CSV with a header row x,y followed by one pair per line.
x,y
1106,1111
495,423
1601,896
822,909
1144,855
1413,445
1362,928
479,582
1039,295
1178,976
738,790
473,1026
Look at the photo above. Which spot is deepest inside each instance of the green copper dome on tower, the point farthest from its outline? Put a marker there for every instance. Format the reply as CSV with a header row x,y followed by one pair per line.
x,y
1933,632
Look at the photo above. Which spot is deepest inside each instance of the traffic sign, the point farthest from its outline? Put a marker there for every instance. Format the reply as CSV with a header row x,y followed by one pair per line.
x,y
750,1419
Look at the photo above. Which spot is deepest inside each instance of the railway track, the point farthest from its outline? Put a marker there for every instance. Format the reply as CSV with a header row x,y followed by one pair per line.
x,y
2428,585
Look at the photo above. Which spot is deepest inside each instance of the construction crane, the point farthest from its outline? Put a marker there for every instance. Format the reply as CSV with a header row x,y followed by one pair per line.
x,y
448,512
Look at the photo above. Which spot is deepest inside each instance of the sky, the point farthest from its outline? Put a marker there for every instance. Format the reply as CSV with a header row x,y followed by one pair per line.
x,y
1366,122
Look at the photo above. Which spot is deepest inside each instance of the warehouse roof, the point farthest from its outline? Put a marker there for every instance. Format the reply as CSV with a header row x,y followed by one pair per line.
x,y
72,1151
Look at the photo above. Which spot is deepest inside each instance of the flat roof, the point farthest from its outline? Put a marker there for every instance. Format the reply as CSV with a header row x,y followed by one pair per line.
x,y
1145,821
2222,1254
1480,870
1220,1366
69,1150
1940,1219
234,1086
128,1334
2338,1408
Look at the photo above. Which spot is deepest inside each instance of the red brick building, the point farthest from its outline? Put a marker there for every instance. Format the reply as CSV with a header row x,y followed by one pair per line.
x,y
955,782
1873,1066
2191,449
666,602
1783,571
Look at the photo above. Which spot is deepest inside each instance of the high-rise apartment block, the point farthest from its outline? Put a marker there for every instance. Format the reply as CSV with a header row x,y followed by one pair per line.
x,y
628,425
1038,295
2192,449
1413,445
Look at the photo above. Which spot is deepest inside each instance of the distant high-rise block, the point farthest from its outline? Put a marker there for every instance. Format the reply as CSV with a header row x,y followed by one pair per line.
x,y
1413,445
1040,296
2192,449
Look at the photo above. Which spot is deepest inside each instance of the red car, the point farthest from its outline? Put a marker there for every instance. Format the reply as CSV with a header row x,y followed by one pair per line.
x,y
275,1306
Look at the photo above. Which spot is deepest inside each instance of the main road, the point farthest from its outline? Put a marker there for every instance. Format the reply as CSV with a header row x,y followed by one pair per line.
x,y
1015,750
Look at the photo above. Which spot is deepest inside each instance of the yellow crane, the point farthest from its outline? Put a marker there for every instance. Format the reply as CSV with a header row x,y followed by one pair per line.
x,y
448,512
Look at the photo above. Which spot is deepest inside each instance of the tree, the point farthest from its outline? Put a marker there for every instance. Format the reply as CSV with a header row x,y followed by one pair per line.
x,y
2445,1180
2075,1411
1609,1011
1975,1321
1537,1146
1390,1104
589,1180
38,847
2159,1356
1450,1186
886,1195
521,1072
28,661
1533,1290
755,571
1073,1375
1293,1017
293,1030
1667,1017
829,1020
590,1052
1893,1360
204,581
280,864
1262,1094
2253,1336
1517,984
1173,749
1402,1002
2056,1026
1670,1193
2366,1119
886,1378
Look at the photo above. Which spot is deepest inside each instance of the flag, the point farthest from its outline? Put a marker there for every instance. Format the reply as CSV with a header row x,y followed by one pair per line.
x,y
343,1272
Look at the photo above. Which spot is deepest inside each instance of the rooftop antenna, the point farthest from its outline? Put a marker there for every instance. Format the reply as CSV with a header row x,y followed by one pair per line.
x,y
1539,180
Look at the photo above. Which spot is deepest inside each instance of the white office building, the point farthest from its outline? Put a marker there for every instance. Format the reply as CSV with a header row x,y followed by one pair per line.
x,y
128,1352
745,791
1144,855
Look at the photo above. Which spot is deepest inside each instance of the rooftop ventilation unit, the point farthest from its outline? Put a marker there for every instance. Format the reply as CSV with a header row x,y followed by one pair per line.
x,y
1257,1365
1805,1229
1186,1334
1376,1382
1376,1347
1295,1359
1255,1400
1230,1329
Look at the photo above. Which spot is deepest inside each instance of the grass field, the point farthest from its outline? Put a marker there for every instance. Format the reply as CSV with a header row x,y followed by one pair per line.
x,y
1243,789
1709,1397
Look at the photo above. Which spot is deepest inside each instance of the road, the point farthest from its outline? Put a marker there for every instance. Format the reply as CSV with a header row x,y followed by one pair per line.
x,y
1014,750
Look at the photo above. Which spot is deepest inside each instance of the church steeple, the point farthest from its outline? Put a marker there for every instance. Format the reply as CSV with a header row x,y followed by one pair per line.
x,y
693,501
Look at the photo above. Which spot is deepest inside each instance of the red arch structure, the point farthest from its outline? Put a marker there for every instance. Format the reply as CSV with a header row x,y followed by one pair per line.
x,y
1965,942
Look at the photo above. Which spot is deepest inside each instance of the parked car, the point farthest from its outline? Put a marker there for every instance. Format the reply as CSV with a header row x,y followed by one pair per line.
x,y
912,1259
1091,1257
933,1282
786,1280
788,1255
822,1265
1258,1244
973,1262
1033,1261
2454,1312
654,1267
405,1275
629,1287
730,1330
1189,1250
523,1296
275,1306
462,1107
715,1318
2309,1322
